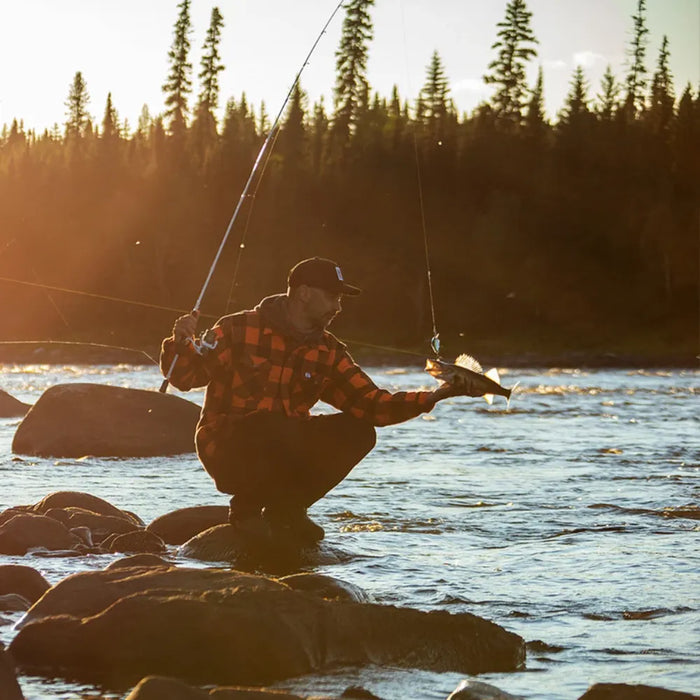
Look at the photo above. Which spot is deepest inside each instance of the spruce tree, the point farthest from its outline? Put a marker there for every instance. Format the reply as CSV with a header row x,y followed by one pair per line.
x,y
433,98
515,47
635,101
576,112
110,120
77,117
319,136
661,98
351,93
397,122
211,65
178,84
535,120
608,98
292,137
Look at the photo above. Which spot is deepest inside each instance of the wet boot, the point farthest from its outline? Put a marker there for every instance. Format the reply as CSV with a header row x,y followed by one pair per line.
x,y
293,523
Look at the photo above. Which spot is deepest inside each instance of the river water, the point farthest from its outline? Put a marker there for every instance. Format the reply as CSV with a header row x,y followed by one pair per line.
x,y
551,518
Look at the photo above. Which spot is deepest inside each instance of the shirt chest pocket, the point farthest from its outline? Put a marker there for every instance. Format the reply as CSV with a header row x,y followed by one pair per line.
x,y
308,384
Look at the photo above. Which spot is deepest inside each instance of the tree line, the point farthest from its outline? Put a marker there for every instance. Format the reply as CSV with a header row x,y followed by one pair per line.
x,y
580,232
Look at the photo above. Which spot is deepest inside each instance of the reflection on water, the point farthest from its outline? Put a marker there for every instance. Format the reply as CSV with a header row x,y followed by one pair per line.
x,y
570,519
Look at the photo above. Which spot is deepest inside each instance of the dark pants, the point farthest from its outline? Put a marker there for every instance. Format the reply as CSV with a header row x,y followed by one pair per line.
x,y
270,459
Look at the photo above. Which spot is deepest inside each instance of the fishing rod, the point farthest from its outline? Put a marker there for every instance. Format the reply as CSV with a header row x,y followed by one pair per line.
x,y
435,339
251,177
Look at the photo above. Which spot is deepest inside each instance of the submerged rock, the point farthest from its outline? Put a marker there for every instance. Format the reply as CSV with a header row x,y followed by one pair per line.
x,y
73,420
181,525
225,627
10,407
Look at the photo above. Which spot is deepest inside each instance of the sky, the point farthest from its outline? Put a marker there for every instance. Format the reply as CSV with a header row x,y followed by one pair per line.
x,y
121,46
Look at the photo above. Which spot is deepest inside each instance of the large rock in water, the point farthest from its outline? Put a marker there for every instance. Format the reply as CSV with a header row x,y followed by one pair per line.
x,y
23,580
209,626
73,420
11,407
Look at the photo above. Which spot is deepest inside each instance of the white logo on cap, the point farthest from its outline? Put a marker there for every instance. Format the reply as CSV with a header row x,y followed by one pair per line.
x,y
339,273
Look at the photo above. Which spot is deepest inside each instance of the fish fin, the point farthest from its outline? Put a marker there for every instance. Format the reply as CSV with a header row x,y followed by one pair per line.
x,y
492,374
468,362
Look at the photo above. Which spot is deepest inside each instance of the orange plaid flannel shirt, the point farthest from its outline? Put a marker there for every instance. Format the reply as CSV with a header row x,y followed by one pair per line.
x,y
255,368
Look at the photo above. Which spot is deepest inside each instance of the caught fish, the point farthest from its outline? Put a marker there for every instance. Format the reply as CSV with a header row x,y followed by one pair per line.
x,y
466,374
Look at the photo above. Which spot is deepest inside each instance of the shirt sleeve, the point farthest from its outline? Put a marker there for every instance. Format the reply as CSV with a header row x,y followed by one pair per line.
x,y
189,371
352,391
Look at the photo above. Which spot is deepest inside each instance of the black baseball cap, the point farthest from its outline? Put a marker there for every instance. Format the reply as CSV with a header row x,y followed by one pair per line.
x,y
320,273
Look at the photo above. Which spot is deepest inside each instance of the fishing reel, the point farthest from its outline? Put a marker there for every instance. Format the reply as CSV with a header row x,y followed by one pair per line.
x,y
205,343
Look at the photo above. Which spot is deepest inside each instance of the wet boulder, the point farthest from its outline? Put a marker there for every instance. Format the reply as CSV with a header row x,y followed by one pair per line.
x,y
73,420
326,587
476,690
139,541
623,691
10,407
99,526
22,580
115,627
9,687
26,531
84,501
181,525
256,551
89,592
12,602
138,560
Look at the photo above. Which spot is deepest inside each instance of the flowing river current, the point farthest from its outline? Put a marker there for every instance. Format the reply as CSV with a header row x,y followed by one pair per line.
x,y
557,518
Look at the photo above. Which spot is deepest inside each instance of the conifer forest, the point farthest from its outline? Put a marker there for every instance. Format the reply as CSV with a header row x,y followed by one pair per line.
x,y
578,233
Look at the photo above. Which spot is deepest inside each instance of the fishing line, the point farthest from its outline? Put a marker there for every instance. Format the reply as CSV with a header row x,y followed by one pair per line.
x,y
435,340
102,297
251,177
169,309
71,343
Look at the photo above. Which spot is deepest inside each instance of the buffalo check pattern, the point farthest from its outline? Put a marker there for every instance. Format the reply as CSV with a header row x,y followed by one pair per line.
x,y
255,368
